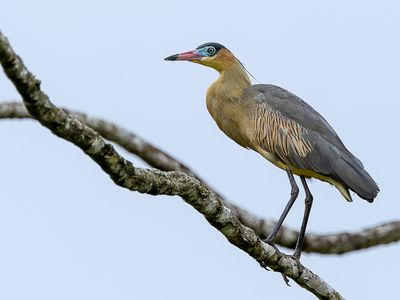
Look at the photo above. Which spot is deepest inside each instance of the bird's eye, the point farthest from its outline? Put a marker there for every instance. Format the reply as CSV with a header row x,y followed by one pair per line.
x,y
211,50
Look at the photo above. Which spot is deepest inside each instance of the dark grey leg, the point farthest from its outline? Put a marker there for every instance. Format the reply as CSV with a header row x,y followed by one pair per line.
x,y
294,193
308,202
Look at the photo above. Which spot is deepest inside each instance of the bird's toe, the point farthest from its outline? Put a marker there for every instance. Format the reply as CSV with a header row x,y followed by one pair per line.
x,y
272,244
296,257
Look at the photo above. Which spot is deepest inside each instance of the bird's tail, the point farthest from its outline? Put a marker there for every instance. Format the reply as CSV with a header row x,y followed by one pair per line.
x,y
352,173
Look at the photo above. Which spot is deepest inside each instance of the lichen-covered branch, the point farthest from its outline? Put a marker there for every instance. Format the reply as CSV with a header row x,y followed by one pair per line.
x,y
338,243
154,182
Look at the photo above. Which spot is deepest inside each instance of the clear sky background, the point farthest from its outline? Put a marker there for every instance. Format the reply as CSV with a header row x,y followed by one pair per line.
x,y
67,232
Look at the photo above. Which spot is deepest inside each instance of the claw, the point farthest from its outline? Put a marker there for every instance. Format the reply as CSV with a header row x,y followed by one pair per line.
x,y
286,279
264,265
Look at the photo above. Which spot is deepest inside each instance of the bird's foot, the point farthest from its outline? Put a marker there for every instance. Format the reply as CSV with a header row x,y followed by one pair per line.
x,y
279,253
296,257
273,245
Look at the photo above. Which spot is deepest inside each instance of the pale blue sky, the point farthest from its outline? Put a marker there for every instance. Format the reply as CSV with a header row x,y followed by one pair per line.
x,y
68,232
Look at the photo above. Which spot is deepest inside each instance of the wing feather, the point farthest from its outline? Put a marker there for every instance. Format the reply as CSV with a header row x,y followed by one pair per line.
x,y
299,136
293,131
294,108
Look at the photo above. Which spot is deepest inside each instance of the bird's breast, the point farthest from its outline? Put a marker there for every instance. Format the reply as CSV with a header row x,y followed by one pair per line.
x,y
233,118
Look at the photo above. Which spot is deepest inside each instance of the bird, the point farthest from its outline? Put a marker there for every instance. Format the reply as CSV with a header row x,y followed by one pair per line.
x,y
281,127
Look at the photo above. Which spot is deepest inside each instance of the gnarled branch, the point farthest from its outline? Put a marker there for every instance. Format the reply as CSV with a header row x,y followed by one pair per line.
x,y
338,243
154,182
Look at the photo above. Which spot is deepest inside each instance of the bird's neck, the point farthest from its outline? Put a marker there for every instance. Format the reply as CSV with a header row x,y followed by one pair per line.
x,y
232,81
226,104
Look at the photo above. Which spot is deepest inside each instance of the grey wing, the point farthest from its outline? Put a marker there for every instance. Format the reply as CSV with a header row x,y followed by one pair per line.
x,y
294,108
287,140
297,135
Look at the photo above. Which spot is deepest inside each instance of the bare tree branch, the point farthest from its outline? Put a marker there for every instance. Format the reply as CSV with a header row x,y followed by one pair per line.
x,y
325,244
153,182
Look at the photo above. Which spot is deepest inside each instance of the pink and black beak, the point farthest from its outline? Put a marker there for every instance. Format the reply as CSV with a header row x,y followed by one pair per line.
x,y
193,56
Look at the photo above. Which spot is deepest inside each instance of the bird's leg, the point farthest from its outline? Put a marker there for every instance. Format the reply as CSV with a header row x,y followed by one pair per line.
x,y
294,193
308,204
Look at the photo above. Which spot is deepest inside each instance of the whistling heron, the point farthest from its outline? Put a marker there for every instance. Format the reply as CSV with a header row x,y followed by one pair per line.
x,y
282,128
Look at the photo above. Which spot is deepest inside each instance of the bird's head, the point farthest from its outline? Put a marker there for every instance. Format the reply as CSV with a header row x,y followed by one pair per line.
x,y
212,55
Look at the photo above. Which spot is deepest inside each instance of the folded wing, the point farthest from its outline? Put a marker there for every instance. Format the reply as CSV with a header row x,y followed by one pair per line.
x,y
300,137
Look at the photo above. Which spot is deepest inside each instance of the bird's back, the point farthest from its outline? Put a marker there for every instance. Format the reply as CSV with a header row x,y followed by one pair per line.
x,y
298,136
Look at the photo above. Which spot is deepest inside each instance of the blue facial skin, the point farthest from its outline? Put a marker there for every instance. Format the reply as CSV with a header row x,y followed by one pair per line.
x,y
206,51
